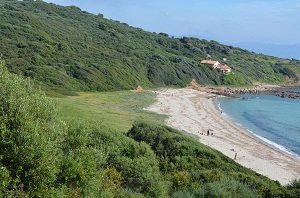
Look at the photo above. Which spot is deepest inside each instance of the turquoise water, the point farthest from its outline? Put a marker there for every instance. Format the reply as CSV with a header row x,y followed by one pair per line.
x,y
273,119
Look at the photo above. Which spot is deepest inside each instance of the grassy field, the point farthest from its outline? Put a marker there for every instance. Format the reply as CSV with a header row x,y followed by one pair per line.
x,y
115,110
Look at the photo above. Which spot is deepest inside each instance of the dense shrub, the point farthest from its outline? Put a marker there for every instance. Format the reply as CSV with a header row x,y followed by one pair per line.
x,y
42,156
199,171
294,186
235,79
30,134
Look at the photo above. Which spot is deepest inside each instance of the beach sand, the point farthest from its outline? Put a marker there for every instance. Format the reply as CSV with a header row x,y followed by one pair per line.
x,y
195,112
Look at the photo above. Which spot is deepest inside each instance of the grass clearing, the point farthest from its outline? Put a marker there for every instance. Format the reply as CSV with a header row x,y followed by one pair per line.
x,y
115,110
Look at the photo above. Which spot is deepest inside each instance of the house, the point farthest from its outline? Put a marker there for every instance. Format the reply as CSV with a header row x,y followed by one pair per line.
x,y
225,69
212,63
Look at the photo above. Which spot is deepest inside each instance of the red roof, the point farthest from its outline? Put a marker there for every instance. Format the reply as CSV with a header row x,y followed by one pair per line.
x,y
208,62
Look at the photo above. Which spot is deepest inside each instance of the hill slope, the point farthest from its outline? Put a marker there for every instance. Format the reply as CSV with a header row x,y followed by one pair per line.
x,y
67,48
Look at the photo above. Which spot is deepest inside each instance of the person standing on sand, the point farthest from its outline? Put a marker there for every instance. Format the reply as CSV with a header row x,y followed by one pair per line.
x,y
235,156
208,132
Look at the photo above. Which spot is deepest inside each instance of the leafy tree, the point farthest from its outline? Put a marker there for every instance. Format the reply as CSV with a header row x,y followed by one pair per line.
x,y
30,134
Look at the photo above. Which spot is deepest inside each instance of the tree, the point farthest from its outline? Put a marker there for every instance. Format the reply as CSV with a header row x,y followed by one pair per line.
x,y
30,134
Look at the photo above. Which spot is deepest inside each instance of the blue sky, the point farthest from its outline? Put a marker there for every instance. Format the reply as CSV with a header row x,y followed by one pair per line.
x,y
227,21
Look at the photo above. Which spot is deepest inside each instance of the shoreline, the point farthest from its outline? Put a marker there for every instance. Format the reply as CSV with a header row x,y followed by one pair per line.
x,y
196,111
267,142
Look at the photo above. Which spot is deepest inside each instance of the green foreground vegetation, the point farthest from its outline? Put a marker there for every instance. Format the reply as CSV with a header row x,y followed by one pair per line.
x,y
116,110
65,48
42,155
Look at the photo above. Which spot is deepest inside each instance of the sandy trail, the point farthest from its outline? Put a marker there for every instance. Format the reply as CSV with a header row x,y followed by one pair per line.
x,y
195,112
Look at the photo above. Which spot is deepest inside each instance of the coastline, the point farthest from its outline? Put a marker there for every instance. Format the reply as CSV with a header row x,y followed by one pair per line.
x,y
196,112
257,137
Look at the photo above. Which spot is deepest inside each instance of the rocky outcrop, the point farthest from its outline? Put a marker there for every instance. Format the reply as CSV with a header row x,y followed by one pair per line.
x,y
277,91
287,94
234,91
284,92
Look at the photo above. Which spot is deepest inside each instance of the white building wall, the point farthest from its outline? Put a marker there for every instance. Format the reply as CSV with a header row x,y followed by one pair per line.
x,y
216,65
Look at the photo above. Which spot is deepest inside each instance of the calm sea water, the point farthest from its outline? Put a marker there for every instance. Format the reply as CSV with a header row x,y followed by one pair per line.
x,y
273,119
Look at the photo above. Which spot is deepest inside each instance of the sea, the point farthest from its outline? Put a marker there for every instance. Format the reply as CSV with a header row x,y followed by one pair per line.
x,y
270,118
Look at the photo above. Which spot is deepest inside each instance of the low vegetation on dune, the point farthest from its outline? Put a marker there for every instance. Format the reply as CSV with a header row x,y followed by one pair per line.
x,y
66,48
42,155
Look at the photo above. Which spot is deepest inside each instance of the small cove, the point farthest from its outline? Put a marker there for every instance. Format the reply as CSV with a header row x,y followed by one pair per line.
x,y
273,119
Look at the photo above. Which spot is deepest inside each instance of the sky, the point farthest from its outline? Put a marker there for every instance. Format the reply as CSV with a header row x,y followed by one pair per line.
x,y
226,21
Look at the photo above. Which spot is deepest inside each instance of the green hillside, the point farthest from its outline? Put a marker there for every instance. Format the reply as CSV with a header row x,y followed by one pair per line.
x,y
66,48
43,156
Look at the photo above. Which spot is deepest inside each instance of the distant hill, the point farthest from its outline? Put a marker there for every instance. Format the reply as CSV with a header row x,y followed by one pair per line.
x,y
66,48
283,51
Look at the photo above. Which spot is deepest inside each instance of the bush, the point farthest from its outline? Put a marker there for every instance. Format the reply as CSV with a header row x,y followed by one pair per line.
x,y
294,186
30,134
229,188
100,160
199,171
235,79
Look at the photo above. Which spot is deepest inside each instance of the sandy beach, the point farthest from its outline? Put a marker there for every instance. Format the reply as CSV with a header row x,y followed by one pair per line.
x,y
195,112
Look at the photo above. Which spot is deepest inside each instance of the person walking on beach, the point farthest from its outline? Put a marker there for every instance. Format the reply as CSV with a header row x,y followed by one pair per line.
x,y
208,132
235,156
